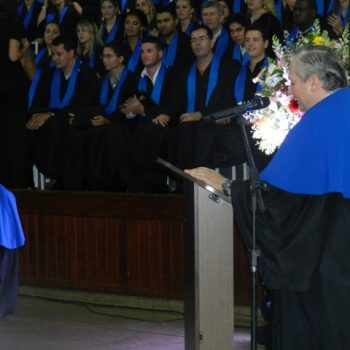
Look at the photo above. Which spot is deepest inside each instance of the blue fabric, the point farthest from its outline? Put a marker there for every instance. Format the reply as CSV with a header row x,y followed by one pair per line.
x,y
191,83
112,34
315,156
11,233
135,57
222,43
55,99
169,53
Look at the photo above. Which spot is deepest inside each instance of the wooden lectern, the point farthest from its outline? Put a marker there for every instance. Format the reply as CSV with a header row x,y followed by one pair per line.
x,y
208,248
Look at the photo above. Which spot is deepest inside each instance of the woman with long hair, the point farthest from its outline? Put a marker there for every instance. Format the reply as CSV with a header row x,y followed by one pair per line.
x,y
111,28
134,25
148,8
89,45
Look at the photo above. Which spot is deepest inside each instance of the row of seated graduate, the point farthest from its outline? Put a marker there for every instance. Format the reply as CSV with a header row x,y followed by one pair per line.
x,y
60,144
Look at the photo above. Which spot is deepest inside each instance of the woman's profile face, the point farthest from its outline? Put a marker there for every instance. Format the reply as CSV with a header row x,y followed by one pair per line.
x,y
84,35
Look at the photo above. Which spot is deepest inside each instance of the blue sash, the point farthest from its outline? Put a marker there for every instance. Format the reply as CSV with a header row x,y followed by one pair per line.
x,y
347,16
55,100
279,9
29,15
157,88
236,54
12,236
123,4
191,84
222,42
239,85
236,7
33,86
92,59
135,57
169,53
189,28
111,35
111,106
52,15
40,55
320,7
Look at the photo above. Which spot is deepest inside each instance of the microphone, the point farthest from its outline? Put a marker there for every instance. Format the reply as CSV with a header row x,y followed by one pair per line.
x,y
257,103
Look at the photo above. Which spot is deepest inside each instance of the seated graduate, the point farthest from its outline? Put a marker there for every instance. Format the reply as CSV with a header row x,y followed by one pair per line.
x,y
89,46
95,142
236,25
304,16
66,88
11,238
177,51
112,27
62,12
134,25
186,16
338,18
213,18
303,234
155,109
149,10
201,90
256,43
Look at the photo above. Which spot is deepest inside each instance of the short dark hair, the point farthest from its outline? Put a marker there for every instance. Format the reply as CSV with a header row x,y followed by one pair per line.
x,y
237,18
164,9
118,49
206,28
139,14
153,40
67,42
258,27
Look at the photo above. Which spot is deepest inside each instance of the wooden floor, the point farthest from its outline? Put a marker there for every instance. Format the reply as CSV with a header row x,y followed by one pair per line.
x,y
110,243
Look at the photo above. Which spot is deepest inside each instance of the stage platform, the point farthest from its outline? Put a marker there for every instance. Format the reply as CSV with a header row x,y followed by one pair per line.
x,y
110,243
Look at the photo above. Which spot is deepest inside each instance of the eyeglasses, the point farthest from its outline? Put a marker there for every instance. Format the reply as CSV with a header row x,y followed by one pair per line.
x,y
108,56
200,38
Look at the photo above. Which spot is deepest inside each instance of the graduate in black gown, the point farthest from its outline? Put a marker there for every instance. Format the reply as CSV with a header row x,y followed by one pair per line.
x,y
304,233
155,109
63,90
204,89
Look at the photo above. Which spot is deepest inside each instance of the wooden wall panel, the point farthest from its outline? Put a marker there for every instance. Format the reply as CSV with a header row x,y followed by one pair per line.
x,y
112,243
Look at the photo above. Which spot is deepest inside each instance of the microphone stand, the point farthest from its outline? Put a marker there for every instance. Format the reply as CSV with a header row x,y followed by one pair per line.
x,y
257,203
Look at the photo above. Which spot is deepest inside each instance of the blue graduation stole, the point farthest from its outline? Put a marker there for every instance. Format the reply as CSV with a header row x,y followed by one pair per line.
x,y
320,7
111,106
347,16
123,5
33,86
92,59
55,100
135,57
40,55
236,54
189,28
29,15
112,33
191,83
52,15
157,88
279,8
241,80
236,6
169,53
222,42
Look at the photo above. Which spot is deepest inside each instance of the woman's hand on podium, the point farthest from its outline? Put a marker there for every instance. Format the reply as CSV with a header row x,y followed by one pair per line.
x,y
209,176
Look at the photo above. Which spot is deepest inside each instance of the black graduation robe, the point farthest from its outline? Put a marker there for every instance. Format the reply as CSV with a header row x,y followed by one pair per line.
x,y
304,243
202,143
47,141
150,141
